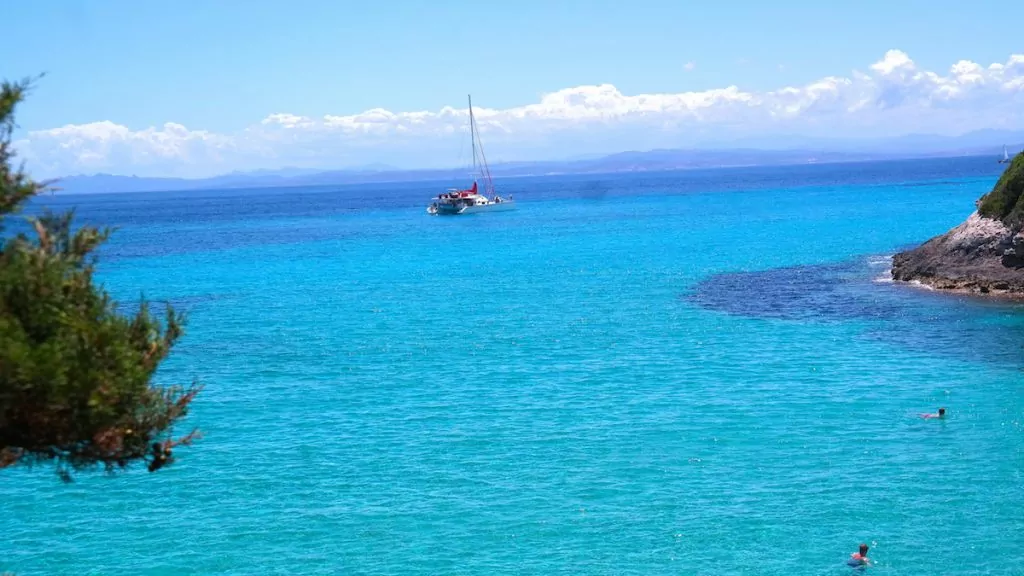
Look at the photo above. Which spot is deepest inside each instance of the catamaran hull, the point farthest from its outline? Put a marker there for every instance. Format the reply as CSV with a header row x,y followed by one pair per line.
x,y
448,210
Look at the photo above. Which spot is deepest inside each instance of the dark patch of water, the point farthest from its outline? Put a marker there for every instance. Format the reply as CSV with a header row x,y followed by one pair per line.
x,y
826,293
969,328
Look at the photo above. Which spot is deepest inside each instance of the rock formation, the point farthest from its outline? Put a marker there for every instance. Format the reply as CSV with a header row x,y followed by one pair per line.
x,y
985,254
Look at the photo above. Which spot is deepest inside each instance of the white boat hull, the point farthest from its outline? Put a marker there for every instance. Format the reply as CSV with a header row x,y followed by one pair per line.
x,y
449,210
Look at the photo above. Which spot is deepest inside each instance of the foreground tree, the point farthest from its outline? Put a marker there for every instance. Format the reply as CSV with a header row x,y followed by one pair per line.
x,y
75,374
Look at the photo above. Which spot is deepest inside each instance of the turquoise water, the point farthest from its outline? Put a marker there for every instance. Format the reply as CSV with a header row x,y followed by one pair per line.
x,y
677,373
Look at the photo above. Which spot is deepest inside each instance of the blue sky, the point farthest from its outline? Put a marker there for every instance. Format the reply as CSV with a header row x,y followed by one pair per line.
x,y
219,68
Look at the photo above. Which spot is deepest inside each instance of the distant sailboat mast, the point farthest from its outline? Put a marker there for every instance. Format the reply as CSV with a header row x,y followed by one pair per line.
x,y
472,136
479,164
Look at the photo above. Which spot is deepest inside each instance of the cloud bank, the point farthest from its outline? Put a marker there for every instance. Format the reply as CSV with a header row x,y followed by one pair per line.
x,y
891,97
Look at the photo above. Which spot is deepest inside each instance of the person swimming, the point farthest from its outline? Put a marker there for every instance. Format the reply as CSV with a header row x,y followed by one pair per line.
x,y
940,414
859,559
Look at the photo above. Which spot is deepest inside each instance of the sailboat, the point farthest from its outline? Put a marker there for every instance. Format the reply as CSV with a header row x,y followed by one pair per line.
x,y
1006,157
471,200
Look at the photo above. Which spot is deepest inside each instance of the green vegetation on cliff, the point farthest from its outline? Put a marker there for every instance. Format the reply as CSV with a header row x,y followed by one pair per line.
x,y
1006,201
75,373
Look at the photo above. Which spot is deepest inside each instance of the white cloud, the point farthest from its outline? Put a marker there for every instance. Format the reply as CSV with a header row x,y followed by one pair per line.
x,y
101,146
286,120
893,96
690,66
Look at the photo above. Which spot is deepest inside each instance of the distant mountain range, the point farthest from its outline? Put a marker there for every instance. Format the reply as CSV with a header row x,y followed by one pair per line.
x,y
747,153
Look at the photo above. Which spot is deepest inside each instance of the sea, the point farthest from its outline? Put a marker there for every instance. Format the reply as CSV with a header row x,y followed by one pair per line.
x,y
701,372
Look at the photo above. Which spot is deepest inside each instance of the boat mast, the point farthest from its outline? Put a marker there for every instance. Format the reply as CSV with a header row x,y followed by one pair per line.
x,y
482,163
472,134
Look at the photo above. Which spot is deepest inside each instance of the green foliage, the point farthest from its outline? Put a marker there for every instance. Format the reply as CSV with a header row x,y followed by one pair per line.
x,y
75,374
1006,200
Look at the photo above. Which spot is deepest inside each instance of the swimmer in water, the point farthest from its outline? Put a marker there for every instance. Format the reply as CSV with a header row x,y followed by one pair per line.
x,y
940,414
859,559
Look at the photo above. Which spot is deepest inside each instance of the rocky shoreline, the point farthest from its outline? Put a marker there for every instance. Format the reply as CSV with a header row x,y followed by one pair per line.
x,y
980,256
984,255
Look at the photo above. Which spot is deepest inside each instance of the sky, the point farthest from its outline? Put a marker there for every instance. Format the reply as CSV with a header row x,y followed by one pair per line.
x,y
163,88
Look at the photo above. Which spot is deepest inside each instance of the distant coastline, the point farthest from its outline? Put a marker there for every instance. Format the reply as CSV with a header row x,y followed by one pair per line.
x,y
623,162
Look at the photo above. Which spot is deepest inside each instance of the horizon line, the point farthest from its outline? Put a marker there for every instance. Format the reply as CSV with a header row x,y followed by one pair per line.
x,y
438,178
877,155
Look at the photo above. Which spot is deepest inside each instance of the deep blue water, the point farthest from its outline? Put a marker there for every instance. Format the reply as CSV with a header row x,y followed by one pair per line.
x,y
667,373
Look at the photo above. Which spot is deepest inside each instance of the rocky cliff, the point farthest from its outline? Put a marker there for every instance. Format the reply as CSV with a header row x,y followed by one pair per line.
x,y
985,254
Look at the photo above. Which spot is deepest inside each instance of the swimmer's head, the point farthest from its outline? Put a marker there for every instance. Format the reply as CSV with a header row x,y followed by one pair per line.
x,y
863,549
942,411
